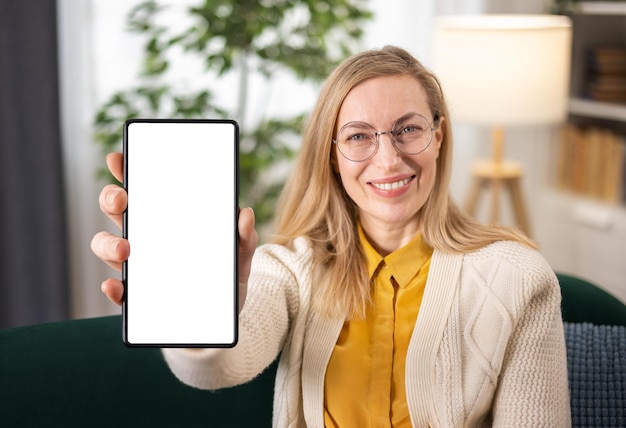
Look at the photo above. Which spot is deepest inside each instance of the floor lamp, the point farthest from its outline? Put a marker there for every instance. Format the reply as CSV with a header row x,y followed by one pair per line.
x,y
502,71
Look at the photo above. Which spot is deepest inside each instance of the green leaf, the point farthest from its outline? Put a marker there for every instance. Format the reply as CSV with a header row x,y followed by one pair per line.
x,y
304,37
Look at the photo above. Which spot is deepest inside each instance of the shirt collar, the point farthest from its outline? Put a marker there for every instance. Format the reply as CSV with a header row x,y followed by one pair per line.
x,y
403,264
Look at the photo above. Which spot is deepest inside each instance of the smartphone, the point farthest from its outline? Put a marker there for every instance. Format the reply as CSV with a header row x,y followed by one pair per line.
x,y
181,277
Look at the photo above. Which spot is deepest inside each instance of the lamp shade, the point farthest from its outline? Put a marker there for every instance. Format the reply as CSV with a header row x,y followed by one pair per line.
x,y
503,70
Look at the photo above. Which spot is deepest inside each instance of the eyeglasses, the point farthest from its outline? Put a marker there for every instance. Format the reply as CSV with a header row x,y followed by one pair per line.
x,y
410,135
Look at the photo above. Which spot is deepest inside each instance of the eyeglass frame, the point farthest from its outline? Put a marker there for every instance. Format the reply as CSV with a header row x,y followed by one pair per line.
x,y
433,127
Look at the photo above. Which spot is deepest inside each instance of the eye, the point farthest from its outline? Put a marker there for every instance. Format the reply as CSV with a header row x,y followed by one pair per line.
x,y
358,137
409,129
357,134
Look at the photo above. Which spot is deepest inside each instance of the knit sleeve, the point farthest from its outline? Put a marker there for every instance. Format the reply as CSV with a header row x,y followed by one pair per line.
x,y
532,386
271,304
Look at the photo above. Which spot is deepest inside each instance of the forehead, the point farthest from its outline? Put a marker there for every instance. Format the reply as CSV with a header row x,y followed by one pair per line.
x,y
381,100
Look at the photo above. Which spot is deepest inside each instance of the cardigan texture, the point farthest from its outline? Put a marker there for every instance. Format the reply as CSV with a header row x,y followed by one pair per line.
x,y
488,347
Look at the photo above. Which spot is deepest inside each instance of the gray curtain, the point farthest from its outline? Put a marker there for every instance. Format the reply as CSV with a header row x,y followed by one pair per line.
x,y
33,270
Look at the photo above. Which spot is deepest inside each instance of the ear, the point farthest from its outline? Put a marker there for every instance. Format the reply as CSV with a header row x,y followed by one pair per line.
x,y
439,132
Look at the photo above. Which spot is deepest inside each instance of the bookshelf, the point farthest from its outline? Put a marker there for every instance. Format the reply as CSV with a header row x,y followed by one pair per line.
x,y
597,102
580,233
602,8
601,23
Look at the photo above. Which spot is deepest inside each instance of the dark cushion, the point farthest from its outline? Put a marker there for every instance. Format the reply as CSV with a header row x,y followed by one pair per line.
x,y
79,374
596,363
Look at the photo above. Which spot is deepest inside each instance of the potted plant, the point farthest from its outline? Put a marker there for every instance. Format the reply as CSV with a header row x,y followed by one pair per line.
x,y
304,37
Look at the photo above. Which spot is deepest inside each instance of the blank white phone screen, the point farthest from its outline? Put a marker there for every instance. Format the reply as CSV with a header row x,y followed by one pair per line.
x,y
181,276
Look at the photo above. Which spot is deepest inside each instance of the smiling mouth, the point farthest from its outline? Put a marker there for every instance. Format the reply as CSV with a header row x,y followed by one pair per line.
x,y
392,186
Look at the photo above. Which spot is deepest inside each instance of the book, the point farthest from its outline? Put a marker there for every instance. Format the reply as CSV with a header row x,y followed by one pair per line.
x,y
591,162
606,73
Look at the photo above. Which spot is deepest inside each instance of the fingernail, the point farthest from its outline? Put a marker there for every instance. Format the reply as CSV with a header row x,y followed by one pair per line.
x,y
116,247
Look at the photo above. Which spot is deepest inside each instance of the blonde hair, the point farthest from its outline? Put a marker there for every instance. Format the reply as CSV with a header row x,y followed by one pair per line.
x,y
314,203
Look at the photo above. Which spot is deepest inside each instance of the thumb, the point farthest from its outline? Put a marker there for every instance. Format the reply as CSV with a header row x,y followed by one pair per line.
x,y
248,237
248,240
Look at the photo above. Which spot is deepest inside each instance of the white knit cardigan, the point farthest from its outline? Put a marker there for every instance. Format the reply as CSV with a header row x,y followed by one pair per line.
x,y
487,348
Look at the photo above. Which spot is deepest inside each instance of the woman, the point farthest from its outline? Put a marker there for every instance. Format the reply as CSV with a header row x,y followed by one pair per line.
x,y
387,304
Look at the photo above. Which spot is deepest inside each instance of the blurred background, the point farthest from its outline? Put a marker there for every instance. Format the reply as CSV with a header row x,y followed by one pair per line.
x,y
72,70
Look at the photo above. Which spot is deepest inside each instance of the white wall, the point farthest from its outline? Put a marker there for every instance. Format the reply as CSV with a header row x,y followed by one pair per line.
x,y
99,57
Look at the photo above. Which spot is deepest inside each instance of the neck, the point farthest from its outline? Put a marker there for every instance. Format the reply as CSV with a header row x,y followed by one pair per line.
x,y
387,238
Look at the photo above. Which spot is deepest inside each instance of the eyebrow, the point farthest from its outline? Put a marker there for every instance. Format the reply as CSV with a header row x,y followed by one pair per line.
x,y
358,123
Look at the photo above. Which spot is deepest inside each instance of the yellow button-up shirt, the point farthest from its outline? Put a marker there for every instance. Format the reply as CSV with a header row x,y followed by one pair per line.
x,y
364,384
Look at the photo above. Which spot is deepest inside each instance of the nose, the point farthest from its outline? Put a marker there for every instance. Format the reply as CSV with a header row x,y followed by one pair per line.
x,y
387,151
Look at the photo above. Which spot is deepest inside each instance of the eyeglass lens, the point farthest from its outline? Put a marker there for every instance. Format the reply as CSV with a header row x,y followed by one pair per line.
x,y
358,141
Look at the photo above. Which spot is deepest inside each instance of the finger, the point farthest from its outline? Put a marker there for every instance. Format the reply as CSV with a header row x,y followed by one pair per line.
x,y
114,290
111,249
248,237
115,163
113,200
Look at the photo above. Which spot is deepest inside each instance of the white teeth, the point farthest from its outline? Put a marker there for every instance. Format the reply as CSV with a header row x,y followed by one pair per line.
x,y
391,186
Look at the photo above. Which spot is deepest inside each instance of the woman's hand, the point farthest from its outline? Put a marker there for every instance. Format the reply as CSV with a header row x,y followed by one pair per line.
x,y
114,250
110,248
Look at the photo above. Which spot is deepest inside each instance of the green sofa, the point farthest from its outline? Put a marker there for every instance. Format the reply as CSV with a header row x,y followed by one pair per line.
x,y
584,301
79,374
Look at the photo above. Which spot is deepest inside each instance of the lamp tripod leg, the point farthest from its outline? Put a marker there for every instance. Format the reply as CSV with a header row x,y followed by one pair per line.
x,y
496,187
519,208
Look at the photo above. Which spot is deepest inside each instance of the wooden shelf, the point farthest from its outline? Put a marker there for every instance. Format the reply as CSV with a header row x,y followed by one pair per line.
x,y
602,8
589,108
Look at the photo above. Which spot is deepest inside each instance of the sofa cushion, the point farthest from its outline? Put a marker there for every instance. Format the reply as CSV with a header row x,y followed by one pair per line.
x,y
596,363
